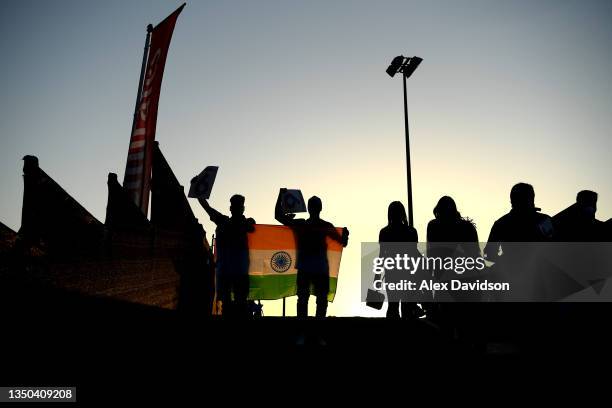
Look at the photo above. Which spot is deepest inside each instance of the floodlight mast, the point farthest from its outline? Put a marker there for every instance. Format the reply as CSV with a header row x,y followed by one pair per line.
x,y
406,66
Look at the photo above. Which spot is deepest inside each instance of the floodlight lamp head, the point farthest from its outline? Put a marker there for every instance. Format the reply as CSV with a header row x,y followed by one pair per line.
x,y
395,65
411,66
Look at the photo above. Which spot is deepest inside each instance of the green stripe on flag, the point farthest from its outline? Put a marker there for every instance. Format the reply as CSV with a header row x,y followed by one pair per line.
x,y
271,287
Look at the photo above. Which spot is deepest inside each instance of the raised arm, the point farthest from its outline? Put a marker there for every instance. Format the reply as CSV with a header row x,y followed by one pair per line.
x,y
279,213
215,216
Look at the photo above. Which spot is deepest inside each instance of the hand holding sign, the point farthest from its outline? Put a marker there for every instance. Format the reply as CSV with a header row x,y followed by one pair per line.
x,y
202,184
292,201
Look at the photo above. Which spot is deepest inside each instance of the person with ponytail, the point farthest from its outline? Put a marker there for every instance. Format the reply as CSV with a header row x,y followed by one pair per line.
x,y
398,236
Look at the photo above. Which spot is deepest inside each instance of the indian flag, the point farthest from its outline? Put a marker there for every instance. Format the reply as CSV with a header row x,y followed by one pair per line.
x,y
272,252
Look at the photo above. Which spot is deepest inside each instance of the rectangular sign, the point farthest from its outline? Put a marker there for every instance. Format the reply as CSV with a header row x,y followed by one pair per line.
x,y
292,202
202,184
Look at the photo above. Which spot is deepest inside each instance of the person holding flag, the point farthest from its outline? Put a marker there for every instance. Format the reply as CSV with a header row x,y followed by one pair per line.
x,y
312,263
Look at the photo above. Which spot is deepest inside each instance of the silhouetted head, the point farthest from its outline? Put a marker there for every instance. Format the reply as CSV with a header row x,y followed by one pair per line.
x,y
314,206
446,209
396,214
237,205
587,201
522,197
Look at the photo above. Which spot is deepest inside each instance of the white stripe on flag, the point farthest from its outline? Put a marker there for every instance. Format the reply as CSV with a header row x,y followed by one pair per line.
x,y
137,143
260,262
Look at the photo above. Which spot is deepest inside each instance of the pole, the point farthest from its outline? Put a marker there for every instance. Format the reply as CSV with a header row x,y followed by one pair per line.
x,y
143,69
142,74
283,307
408,172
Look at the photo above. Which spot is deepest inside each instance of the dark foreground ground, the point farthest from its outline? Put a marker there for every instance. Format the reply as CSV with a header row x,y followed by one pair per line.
x,y
108,348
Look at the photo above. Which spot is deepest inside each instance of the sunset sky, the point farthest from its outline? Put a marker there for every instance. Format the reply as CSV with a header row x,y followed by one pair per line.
x,y
294,94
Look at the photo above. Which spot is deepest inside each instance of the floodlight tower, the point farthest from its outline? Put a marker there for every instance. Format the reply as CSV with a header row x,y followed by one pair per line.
x,y
406,66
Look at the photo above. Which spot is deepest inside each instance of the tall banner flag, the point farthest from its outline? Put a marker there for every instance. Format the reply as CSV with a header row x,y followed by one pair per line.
x,y
137,177
272,256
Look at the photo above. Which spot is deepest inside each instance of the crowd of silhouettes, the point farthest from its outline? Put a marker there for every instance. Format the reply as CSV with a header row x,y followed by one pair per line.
x,y
523,223
450,235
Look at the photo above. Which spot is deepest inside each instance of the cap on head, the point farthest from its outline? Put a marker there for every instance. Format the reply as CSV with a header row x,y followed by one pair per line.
x,y
522,196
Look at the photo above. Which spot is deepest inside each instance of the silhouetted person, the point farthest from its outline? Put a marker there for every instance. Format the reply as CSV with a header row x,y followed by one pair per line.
x,y
458,234
449,226
312,264
232,256
458,238
514,234
524,222
607,234
577,223
398,231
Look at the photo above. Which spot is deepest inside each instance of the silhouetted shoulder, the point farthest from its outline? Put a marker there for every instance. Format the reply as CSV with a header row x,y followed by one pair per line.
x,y
503,221
508,221
327,224
318,224
432,224
499,230
543,217
565,215
403,233
298,221
524,226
